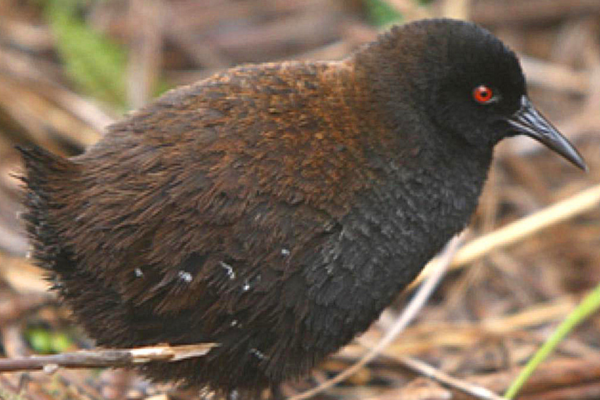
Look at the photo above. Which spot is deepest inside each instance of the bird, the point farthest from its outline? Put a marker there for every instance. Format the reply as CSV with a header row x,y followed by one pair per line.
x,y
276,209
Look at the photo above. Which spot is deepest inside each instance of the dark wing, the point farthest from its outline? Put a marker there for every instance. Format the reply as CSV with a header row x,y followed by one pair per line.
x,y
220,213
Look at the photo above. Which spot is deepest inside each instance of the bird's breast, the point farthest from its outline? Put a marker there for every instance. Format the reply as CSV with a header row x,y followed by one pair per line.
x,y
382,244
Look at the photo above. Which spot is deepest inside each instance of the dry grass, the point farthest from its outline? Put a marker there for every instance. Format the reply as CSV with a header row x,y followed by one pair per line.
x,y
519,274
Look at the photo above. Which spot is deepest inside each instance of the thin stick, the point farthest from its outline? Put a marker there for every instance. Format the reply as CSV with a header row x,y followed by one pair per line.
x,y
405,318
105,358
428,371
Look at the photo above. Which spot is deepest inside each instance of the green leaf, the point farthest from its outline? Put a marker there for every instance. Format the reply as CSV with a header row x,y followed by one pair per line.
x,y
39,340
94,62
60,342
381,13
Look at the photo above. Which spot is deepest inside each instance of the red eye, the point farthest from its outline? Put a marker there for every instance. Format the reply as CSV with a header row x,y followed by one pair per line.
x,y
483,94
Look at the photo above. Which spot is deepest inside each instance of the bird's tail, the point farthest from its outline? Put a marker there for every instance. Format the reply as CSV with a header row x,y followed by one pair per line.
x,y
52,192
47,177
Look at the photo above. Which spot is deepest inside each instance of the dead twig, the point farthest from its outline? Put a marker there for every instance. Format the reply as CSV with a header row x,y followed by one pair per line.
x,y
444,379
105,358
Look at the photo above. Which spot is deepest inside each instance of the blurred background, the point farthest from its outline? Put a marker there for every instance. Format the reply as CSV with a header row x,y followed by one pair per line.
x,y
68,68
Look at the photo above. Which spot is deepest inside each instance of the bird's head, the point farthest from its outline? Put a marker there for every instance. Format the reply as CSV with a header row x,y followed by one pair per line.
x,y
468,82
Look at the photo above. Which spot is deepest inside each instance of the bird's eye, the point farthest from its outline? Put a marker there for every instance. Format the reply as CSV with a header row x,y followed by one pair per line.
x,y
483,94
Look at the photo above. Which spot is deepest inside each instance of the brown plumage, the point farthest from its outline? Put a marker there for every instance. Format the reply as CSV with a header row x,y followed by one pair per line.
x,y
276,209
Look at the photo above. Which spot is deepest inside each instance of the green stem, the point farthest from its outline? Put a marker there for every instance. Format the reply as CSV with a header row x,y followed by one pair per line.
x,y
589,305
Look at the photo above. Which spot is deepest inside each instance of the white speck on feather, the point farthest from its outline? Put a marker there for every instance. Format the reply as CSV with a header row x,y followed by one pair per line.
x,y
185,276
258,354
329,269
228,268
285,252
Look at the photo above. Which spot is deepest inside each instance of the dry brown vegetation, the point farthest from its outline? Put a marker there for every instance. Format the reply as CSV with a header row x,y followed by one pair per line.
x,y
510,288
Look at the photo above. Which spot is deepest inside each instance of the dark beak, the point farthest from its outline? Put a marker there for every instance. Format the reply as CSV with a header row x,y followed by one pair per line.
x,y
528,121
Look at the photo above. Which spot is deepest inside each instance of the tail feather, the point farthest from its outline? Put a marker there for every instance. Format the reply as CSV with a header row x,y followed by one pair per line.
x,y
45,177
50,189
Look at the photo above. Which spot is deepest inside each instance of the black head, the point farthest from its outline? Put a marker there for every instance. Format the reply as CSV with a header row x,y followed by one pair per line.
x,y
466,80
